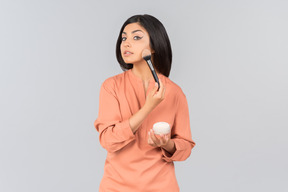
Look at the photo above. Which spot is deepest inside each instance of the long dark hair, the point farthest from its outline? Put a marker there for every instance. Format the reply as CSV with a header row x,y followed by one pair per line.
x,y
159,42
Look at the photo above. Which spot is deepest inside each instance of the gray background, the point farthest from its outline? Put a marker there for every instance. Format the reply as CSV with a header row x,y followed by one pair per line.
x,y
229,57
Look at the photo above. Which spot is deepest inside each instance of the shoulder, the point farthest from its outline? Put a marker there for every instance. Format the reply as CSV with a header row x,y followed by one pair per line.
x,y
173,88
114,80
111,83
175,94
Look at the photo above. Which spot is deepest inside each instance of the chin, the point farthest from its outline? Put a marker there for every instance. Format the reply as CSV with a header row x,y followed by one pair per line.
x,y
131,61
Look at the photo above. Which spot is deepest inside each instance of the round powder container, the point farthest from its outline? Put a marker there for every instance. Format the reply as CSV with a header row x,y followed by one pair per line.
x,y
161,128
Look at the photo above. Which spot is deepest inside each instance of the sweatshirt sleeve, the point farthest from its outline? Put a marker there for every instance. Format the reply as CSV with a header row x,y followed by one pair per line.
x,y
114,132
181,133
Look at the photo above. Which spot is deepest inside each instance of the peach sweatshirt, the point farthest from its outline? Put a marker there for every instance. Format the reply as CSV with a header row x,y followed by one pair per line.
x,y
132,165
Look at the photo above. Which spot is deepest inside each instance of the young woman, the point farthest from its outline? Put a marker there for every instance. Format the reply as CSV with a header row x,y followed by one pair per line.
x,y
130,103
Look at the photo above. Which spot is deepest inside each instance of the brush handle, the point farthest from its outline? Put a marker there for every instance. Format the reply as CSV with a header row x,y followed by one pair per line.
x,y
153,72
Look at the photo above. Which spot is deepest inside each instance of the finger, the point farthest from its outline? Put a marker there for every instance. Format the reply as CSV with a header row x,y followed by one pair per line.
x,y
162,141
150,142
161,89
168,136
161,85
149,138
153,137
154,90
165,139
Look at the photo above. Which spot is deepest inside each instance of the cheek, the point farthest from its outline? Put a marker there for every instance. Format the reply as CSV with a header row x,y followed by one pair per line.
x,y
141,47
145,45
122,49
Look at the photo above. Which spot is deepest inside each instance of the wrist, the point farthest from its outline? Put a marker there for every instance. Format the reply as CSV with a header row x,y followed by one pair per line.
x,y
170,147
146,108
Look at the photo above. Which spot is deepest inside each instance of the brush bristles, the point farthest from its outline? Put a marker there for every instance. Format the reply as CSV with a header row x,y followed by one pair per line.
x,y
148,57
146,54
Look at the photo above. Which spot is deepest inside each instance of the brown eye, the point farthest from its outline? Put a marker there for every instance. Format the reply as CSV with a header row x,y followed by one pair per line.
x,y
137,37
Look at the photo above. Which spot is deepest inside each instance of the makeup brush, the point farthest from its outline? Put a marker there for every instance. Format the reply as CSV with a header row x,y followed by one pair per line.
x,y
146,55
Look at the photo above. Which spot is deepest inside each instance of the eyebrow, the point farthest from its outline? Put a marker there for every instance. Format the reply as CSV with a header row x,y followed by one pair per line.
x,y
132,31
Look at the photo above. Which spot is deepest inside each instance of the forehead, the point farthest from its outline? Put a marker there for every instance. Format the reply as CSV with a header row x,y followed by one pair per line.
x,y
133,27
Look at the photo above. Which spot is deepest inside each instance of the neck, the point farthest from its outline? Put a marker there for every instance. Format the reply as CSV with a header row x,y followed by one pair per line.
x,y
142,70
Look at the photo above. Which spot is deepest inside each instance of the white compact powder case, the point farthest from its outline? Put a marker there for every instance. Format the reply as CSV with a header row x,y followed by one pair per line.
x,y
161,128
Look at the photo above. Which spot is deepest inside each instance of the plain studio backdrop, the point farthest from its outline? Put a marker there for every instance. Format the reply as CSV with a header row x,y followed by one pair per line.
x,y
229,57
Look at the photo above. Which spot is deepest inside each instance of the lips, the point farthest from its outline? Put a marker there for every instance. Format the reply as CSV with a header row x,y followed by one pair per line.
x,y
127,53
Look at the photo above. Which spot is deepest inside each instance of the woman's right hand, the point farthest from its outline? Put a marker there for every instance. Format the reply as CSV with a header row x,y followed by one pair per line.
x,y
155,97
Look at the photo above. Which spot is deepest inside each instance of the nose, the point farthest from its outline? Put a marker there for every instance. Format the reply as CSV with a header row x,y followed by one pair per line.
x,y
126,43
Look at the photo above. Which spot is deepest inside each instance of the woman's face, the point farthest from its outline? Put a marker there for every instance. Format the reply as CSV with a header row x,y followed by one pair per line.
x,y
134,40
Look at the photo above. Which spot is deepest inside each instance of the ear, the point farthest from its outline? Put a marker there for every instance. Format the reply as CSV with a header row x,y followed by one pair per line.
x,y
152,51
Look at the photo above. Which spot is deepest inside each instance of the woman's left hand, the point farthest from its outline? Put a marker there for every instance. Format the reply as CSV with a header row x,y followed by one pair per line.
x,y
155,142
